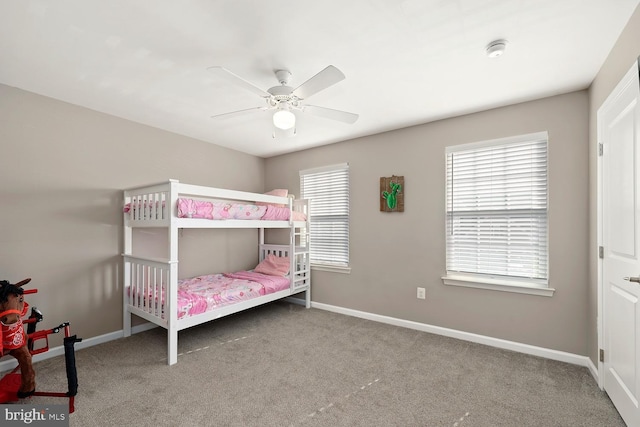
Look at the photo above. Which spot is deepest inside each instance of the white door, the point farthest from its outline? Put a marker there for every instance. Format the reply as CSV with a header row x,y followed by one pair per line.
x,y
619,132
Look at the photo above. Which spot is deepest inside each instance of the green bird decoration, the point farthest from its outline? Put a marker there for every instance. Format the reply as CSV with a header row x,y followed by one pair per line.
x,y
391,197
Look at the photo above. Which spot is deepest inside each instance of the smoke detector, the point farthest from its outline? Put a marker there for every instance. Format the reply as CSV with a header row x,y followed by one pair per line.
x,y
496,48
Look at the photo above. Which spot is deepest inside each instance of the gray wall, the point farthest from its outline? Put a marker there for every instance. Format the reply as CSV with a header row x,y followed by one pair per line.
x,y
63,167
393,253
620,59
62,172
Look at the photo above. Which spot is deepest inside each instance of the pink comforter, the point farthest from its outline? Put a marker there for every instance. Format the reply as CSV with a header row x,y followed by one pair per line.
x,y
190,208
270,284
203,293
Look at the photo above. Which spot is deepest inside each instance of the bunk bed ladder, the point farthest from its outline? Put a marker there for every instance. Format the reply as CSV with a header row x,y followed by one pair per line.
x,y
300,259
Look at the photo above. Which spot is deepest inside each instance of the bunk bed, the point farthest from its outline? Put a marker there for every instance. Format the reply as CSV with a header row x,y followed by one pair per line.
x,y
152,289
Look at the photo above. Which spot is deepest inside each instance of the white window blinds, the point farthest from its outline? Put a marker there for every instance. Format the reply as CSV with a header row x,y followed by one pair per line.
x,y
496,199
328,191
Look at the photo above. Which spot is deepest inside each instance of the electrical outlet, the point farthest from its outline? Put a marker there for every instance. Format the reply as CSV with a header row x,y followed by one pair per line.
x,y
421,293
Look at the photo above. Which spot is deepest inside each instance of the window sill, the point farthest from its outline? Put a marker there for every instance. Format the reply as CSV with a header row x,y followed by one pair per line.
x,y
331,268
498,285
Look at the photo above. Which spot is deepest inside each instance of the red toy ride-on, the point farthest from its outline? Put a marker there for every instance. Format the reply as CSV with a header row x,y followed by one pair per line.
x,y
22,345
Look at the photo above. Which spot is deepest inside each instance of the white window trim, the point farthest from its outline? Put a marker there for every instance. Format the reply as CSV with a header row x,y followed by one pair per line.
x,y
503,284
495,284
327,168
331,268
343,269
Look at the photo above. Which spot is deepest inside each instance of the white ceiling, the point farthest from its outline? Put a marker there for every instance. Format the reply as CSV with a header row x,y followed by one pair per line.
x,y
406,62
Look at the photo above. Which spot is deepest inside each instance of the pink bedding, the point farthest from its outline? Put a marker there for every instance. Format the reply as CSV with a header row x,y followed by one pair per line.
x,y
203,293
189,208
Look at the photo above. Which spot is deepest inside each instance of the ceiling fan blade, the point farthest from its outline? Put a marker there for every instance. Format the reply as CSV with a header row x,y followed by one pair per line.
x,y
325,78
237,80
239,112
328,113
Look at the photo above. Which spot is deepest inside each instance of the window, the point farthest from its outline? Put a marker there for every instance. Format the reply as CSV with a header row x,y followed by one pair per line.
x,y
496,222
328,190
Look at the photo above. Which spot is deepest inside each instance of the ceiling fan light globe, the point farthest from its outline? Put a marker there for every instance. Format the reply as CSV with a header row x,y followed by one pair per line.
x,y
284,119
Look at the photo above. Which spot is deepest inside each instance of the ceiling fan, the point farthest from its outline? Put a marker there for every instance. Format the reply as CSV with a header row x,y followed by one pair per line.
x,y
283,100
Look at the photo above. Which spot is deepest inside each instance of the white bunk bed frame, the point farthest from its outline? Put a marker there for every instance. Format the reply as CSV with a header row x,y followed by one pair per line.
x,y
155,206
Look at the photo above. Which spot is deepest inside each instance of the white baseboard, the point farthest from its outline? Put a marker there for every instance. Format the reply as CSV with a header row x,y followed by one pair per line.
x,y
294,300
10,363
466,336
7,363
143,327
593,369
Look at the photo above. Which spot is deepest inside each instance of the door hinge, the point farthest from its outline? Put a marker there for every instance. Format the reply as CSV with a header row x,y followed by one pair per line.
x,y
600,252
600,149
601,355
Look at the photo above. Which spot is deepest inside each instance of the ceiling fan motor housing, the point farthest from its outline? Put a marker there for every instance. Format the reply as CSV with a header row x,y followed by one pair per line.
x,y
282,94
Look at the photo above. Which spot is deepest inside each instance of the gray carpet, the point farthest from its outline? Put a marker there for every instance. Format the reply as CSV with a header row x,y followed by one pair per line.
x,y
284,365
